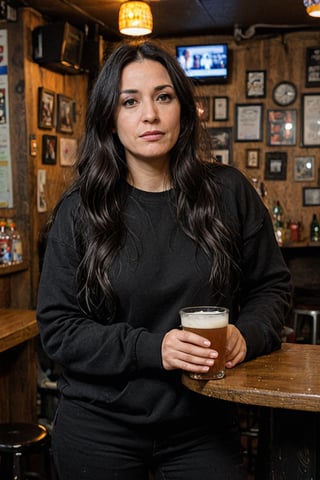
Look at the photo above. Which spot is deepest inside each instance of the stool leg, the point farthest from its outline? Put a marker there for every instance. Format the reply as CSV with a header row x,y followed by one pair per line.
x,y
17,466
314,330
295,323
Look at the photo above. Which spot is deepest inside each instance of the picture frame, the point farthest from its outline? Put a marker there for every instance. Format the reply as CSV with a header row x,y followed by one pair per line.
x,y
46,108
252,158
221,139
249,122
68,151
313,67
276,166
256,83
310,106
281,127
311,196
220,108
203,108
64,114
304,169
49,149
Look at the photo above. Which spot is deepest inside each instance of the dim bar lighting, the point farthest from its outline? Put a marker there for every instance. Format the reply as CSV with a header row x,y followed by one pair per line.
x,y
135,18
312,7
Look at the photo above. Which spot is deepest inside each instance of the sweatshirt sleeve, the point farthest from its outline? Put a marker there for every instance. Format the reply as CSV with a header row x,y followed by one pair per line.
x,y
76,341
264,292
264,296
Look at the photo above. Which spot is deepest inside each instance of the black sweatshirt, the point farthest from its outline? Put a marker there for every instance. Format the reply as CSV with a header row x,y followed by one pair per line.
x,y
115,363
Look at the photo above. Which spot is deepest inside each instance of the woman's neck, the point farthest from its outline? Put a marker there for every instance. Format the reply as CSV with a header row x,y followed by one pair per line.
x,y
150,180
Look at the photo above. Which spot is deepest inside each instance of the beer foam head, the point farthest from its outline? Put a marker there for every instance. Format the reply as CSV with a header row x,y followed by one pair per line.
x,y
206,318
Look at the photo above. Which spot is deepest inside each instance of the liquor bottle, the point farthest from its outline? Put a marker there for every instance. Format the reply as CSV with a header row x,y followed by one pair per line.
x,y
315,229
277,215
5,245
279,230
16,243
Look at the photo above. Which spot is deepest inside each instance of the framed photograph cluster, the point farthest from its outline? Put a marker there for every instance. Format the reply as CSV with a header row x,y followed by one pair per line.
x,y
51,115
55,111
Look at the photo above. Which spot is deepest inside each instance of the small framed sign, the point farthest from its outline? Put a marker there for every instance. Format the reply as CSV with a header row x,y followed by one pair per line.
x,y
256,84
276,166
220,108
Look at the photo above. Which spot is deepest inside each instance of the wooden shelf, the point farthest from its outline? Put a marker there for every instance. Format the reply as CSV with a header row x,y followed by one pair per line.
x,y
15,267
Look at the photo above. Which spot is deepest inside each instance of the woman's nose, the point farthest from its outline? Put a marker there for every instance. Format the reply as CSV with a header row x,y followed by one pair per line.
x,y
149,111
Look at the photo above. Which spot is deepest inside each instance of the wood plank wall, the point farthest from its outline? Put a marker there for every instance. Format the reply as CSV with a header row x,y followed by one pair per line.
x,y
283,57
20,289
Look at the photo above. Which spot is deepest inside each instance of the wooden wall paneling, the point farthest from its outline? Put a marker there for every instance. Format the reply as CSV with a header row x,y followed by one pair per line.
x,y
57,177
284,58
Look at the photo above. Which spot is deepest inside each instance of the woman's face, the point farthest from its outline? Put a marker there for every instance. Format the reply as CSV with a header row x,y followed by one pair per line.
x,y
147,118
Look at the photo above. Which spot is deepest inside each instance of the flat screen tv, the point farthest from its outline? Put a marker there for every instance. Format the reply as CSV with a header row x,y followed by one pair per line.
x,y
205,63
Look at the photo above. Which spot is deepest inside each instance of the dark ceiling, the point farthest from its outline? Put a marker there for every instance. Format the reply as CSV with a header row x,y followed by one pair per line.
x,y
176,18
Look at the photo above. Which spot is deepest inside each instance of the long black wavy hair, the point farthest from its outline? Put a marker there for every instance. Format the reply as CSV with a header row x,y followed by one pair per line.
x,y
102,171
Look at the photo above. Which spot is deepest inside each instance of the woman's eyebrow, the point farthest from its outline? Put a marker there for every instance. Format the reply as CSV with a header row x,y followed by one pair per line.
x,y
156,89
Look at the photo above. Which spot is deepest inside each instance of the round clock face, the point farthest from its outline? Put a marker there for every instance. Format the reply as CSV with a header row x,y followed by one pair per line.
x,y
284,93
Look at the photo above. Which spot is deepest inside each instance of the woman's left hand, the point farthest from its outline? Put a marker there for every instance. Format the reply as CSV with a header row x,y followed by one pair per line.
x,y
236,347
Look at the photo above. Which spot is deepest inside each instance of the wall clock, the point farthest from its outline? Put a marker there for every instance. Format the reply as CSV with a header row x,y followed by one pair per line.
x,y
284,93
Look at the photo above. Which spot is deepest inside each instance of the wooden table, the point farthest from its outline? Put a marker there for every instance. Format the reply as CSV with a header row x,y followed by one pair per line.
x,y
18,365
286,385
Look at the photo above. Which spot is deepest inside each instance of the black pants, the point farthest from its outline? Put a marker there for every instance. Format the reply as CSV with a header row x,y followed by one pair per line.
x,y
91,446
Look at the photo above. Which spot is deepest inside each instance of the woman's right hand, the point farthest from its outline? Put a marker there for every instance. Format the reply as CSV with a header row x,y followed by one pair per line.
x,y
186,351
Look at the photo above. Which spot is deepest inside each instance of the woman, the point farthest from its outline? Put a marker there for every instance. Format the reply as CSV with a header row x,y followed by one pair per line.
x,y
147,228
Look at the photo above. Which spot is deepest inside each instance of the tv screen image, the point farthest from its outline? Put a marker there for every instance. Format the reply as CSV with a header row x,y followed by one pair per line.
x,y
206,63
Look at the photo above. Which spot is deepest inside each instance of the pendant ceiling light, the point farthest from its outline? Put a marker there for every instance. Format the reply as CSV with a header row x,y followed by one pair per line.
x,y
312,7
135,18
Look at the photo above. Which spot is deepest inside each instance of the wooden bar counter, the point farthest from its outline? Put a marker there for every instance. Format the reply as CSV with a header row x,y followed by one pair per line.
x,y
286,385
18,365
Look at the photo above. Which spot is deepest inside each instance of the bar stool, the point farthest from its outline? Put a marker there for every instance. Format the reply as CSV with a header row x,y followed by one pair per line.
x,y
18,440
312,312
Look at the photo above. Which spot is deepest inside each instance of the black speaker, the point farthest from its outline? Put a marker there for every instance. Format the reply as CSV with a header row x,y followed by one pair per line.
x,y
58,47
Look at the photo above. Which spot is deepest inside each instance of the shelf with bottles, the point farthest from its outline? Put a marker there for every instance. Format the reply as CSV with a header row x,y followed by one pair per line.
x,y
13,268
10,243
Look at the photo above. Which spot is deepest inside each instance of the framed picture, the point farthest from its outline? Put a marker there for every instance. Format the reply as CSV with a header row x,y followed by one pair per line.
x,y
64,115
203,108
311,196
276,166
220,108
46,106
68,151
310,120
249,122
252,160
221,139
256,84
49,149
304,169
281,127
313,67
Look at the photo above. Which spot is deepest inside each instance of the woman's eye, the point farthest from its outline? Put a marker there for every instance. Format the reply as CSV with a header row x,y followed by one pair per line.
x,y
129,102
164,97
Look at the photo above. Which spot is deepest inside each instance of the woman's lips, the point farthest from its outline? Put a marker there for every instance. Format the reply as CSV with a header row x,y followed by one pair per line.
x,y
152,135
